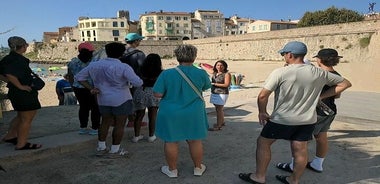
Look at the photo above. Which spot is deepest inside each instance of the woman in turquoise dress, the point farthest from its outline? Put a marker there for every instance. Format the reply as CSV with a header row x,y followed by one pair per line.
x,y
182,114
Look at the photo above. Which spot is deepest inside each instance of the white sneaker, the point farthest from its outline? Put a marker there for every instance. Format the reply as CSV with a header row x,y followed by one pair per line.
x,y
136,139
171,174
199,171
152,138
118,154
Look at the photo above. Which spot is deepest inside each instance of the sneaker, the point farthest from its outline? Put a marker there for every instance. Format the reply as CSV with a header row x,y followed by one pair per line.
x,y
92,132
101,152
199,171
83,131
152,138
171,174
119,154
136,139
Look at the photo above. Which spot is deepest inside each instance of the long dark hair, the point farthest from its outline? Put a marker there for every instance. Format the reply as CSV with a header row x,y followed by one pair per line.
x,y
152,66
223,63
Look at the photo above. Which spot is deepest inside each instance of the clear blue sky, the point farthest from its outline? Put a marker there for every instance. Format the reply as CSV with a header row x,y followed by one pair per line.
x,y
30,18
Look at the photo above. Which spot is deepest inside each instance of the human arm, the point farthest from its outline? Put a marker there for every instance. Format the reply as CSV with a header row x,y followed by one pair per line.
x,y
339,88
262,102
14,80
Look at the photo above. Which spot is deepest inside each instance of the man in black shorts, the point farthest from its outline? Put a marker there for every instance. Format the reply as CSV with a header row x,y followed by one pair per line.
x,y
297,89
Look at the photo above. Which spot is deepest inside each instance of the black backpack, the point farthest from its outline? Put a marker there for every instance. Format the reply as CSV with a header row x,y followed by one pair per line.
x,y
126,58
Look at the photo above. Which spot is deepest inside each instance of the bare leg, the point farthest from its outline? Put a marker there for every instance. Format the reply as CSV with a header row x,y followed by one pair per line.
x,y
322,144
12,131
23,128
171,154
152,114
107,121
299,151
196,152
219,115
137,121
263,157
118,131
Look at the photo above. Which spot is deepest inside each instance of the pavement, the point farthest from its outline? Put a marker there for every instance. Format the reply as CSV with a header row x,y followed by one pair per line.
x,y
58,132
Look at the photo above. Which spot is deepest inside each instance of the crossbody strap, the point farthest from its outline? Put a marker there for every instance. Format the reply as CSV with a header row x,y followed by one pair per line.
x,y
190,83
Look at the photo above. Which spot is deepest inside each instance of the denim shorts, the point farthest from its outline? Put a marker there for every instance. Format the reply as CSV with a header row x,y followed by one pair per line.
x,y
124,109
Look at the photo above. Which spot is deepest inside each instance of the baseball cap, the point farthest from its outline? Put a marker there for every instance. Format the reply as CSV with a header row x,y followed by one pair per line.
x,y
133,36
294,47
86,45
16,41
327,53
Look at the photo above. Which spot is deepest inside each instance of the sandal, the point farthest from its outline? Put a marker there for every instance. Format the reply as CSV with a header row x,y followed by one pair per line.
x,y
284,167
29,146
247,177
12,141
282,179
215,129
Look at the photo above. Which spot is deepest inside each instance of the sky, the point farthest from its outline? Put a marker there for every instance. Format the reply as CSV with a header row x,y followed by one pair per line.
x,y
30,18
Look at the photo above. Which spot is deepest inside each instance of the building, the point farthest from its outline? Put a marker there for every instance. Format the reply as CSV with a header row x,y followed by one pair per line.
x,y
50,37
166,25
104,29
270,25
211,23
68,34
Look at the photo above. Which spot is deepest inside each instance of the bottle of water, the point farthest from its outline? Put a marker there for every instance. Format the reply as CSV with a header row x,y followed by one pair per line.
x,y
326,109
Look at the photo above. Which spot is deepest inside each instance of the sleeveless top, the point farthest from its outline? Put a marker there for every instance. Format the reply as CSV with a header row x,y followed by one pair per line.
x,y
220,80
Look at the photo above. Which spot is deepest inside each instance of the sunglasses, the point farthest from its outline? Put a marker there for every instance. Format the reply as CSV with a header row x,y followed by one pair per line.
x,y
284,53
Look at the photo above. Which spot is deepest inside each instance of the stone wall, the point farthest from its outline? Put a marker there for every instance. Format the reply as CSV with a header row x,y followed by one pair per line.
x,y
346,38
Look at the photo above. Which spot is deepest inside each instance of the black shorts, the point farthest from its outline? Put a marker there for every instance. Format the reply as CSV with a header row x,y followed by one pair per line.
x,y
23,100
292,133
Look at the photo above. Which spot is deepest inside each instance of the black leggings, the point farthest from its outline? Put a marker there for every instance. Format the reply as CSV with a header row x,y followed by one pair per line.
x,y
87,103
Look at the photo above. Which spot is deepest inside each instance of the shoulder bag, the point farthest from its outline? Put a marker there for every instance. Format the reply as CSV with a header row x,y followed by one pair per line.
x,y
37,82
190,83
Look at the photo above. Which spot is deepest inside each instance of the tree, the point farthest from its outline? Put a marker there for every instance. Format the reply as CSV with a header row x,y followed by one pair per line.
x,y
331,15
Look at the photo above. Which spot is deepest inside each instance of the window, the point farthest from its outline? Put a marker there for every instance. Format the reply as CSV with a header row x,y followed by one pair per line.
x,y
177,18
121,24
177,31
265,27
93,24
82,33
159,24
81,25
95,39
94,33
185,18
253,28
114,24
115,33
88,33
87,24
185,25
177,25
168,18
160,31
160,18
116,39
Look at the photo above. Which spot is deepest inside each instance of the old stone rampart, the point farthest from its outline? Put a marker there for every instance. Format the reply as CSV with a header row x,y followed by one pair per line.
x,y
358,41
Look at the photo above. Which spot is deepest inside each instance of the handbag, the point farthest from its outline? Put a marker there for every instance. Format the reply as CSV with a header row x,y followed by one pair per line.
x,y
190,83
37,82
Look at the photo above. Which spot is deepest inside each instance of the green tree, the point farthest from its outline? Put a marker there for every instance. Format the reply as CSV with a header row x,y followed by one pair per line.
x,y
331,15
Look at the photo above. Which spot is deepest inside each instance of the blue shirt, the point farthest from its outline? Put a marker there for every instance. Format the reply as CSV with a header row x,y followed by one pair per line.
x,y
113,78
75,66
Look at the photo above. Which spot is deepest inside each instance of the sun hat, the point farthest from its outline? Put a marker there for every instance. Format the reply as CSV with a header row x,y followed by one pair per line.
x,y
133,36
327,53
86,45
294,47
16,41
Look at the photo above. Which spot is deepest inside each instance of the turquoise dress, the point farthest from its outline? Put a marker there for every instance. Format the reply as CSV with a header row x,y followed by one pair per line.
x,y
182,113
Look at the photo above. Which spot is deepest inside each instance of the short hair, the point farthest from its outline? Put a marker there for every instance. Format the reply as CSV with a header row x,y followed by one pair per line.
x,y
329,61
185,53
115,49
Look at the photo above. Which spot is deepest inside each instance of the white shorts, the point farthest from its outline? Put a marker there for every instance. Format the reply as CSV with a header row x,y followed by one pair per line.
x,y
218,99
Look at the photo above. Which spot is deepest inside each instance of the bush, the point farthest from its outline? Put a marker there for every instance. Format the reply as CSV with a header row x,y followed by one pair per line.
x,y
364,42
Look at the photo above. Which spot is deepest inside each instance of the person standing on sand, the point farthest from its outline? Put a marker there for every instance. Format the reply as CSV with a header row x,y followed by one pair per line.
x,y
15,70
111,79
220,81
182,114
326,59
64,92
87,101
297,90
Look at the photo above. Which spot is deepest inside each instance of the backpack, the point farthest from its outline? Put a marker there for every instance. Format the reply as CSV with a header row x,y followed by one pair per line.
x,y
126,58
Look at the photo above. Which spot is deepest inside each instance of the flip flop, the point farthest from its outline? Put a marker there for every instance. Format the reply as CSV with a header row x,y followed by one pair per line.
x,y
12,141
29,146
284,167
282,179
247,177
311,168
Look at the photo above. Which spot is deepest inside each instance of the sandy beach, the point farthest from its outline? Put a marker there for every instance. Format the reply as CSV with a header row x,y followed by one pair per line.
x,y
353,157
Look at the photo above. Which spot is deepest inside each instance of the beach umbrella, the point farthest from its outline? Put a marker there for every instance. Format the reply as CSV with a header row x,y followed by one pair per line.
x,y
54,68
38,69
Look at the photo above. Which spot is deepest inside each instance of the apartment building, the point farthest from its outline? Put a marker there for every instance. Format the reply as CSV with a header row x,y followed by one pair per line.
x,y
104,29
211,23
166,25
270,25
50,37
